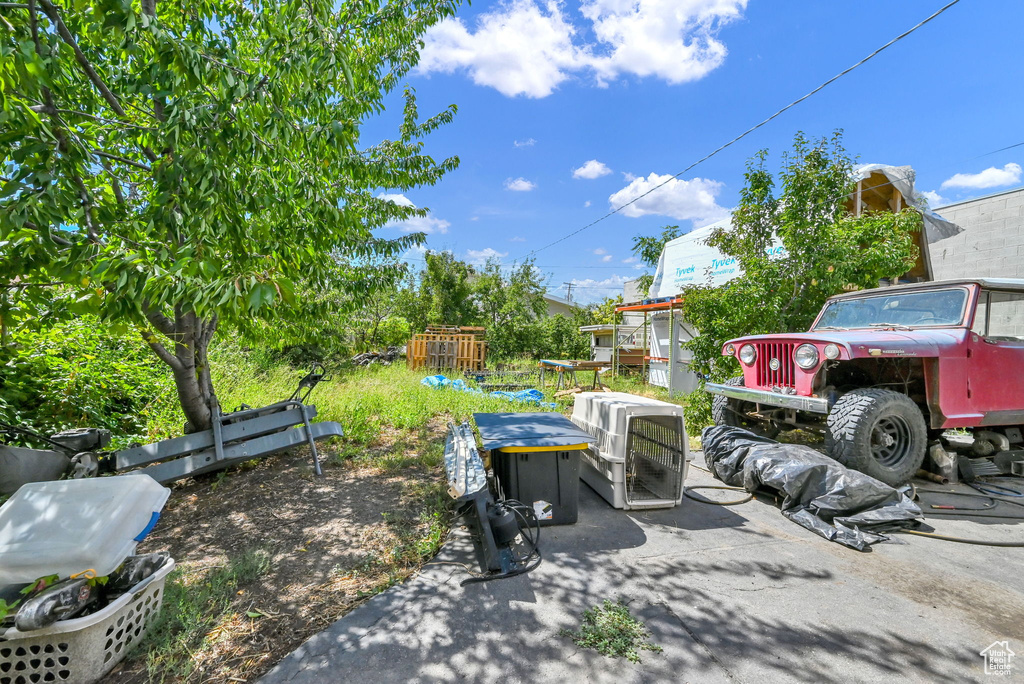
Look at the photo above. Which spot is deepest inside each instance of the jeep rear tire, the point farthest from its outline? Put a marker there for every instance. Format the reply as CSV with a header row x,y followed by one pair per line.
x,y
878,432
729,411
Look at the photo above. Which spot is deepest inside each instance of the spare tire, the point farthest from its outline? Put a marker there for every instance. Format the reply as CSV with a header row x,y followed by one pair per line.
x,y
729,411
879,432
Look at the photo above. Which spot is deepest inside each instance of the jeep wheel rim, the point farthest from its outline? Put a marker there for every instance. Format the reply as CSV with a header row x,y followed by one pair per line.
x,y
891,440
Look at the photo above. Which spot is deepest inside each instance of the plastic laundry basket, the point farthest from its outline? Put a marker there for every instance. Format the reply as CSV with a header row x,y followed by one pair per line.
x,y
83,650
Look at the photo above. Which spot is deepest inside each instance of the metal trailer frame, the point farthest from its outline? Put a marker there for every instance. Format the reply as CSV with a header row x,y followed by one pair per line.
x,y
236,437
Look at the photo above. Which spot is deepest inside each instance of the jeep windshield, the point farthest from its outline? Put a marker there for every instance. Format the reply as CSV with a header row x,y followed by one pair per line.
x,y
903,310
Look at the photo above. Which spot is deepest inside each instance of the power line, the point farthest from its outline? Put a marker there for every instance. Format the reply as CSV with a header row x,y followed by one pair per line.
x,y
1001,149
746,132
911,178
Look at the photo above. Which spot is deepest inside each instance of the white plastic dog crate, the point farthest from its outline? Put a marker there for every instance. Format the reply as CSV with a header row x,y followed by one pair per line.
x,y
641,452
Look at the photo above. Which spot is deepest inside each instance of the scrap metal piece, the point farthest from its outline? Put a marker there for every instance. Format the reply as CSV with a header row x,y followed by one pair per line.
x,y
462,462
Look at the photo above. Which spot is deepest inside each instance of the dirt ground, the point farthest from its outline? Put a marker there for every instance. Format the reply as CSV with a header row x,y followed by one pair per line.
x,y
332,542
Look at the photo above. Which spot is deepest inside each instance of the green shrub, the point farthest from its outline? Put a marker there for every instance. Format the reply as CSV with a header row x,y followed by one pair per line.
x,y
76,374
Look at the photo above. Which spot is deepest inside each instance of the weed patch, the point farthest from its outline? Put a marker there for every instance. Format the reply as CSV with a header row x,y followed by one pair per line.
x,y
195,603
612,631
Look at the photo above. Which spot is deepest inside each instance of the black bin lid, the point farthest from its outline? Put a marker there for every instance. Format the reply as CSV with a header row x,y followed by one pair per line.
x,y
499,430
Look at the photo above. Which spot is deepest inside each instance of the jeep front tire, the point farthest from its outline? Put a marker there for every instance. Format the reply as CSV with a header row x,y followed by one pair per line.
x,y
878,432
729,411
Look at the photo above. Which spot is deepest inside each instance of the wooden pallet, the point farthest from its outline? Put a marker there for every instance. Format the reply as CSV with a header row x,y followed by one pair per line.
x,y
459,352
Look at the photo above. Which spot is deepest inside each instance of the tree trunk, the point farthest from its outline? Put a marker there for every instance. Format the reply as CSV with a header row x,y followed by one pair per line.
x,y
190,339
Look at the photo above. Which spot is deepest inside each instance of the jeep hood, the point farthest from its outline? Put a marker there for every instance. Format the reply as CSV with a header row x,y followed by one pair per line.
x,y
859,343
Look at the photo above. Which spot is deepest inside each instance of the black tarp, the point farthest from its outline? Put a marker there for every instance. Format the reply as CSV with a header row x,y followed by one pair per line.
x,y
539,429
821,494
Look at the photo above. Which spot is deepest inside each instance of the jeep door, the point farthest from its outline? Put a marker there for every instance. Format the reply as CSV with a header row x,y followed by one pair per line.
x,y
995,365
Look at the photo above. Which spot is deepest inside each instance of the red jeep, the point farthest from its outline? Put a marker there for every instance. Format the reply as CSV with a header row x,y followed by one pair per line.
x,y
884,371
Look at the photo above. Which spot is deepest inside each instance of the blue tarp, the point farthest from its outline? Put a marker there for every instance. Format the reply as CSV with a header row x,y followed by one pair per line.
x,y
529,396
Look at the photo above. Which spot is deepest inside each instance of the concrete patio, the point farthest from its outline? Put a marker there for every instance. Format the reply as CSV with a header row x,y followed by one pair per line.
x,y
732,594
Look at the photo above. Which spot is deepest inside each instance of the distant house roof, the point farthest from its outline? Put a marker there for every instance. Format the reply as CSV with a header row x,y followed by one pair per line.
x,y
558,300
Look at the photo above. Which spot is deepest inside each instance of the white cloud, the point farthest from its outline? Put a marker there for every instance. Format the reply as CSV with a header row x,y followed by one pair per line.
x,y
529,142
519,185
586,204
630,260
529,47
474,218
518,48
479,257
674,41
589,290
600,250
628,177
415,253
414,224
934,198
989,178
678,199
591,169
606,257
517,239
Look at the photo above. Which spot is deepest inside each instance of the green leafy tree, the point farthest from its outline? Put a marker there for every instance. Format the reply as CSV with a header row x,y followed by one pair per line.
x,y
446,290
180,166
510,304
604,311
824,251
648,249
559,336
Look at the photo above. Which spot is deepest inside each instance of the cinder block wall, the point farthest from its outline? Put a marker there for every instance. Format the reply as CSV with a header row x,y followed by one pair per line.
x,y
992,244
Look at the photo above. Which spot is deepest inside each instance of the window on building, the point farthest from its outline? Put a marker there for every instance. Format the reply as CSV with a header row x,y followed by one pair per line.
x,y
1005,314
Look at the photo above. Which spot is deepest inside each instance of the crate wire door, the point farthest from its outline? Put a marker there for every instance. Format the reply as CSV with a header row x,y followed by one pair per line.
x,y
654,458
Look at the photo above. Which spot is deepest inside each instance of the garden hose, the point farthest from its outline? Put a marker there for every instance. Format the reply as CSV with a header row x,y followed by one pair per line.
x,y
995,489
969,512
962,540
709,501
748,497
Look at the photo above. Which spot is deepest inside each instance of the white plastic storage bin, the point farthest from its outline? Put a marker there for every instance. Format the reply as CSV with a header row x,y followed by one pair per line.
x,y
85,649
71,526
641,451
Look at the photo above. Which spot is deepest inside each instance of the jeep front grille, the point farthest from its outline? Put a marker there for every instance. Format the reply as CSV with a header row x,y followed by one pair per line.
x,y
783,376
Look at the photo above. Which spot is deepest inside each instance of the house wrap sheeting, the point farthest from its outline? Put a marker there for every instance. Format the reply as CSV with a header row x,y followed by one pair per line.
x,y
689,260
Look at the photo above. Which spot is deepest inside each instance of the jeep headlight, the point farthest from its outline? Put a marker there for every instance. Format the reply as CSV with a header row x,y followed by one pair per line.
x,y
730,350
806,356
748,354
831,351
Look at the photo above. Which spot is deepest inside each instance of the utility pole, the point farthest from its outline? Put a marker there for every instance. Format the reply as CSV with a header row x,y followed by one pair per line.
x,y
568,291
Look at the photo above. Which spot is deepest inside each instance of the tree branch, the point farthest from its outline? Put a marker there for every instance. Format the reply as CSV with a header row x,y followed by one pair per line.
x,y
59,240
19,286
158,320
114,182
83,61
165,356
53,13
123,160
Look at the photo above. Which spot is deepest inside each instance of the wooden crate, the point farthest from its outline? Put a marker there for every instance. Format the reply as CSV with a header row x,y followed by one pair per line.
x,y
456,352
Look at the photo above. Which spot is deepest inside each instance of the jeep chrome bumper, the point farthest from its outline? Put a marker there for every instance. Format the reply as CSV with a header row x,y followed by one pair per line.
x,y
790,401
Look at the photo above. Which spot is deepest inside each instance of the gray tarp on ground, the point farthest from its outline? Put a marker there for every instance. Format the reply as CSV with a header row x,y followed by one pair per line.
x,y
821,494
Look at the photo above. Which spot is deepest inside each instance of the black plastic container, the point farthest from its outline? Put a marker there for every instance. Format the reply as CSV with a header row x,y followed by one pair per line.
x,y
549,481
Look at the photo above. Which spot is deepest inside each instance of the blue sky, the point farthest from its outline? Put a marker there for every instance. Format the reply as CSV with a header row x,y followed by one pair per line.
x,y
568,109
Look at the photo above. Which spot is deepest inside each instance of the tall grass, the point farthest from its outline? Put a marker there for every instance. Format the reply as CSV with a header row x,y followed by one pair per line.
x,y
364,400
